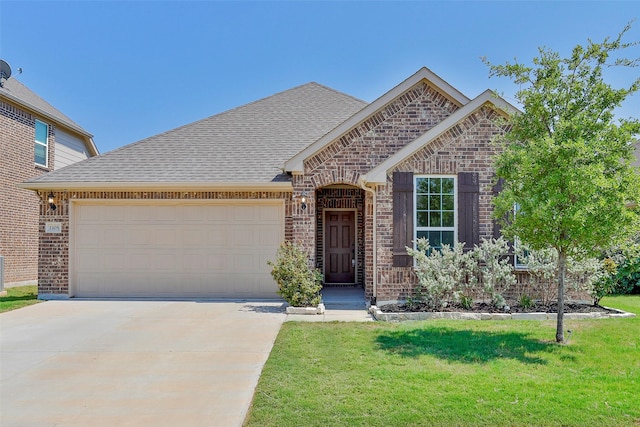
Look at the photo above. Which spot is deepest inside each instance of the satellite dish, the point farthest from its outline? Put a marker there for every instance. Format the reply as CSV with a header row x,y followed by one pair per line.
x,y
5,70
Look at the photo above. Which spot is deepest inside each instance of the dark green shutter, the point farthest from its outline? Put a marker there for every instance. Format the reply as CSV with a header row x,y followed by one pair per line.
x,y
402,218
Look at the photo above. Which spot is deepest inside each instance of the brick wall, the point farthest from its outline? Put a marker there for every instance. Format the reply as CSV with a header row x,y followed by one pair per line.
x,y
18,207
465,148
53,272
366,145
341,198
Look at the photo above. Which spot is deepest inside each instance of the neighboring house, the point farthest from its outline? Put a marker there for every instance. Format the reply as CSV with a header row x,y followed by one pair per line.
x,y
199,210
35,138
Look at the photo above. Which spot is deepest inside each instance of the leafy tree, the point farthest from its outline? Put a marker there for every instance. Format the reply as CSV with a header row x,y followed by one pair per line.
x,y
565,161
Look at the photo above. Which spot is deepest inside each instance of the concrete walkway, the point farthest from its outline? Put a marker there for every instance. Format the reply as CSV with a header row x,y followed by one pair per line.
x,y
342,305
133,363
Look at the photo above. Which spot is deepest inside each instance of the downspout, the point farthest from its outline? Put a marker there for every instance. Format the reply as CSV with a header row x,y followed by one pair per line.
x,y
362,184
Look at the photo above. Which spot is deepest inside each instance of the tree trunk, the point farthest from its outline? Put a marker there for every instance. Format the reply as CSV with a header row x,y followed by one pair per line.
x,y
562,272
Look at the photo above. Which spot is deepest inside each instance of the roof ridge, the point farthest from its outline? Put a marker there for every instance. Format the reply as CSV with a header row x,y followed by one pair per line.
x,y
232,110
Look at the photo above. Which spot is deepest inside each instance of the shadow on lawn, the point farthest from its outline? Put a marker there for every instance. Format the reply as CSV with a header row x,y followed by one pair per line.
x,y
18,298
464,345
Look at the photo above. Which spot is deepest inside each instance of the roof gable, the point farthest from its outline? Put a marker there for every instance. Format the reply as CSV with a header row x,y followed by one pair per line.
x,y
296,163
378,175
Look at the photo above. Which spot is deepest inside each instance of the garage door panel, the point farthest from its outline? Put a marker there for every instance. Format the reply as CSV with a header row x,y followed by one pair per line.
x,y
218,213
176,250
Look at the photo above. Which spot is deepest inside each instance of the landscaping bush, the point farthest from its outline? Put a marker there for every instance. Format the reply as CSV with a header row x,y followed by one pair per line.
x,y
298,284
441,273
449,275
495,271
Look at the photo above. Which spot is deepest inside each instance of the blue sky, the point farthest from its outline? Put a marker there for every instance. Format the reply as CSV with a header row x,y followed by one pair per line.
x,y
126,70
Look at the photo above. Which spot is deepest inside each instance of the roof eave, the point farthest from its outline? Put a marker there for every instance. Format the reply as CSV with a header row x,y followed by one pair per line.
x,y
159,186
296,163
38,111
378,175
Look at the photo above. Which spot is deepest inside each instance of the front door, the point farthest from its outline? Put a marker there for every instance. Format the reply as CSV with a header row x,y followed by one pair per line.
x,y
339,247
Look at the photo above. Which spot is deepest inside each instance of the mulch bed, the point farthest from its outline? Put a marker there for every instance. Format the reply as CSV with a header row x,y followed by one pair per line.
x,y
488,308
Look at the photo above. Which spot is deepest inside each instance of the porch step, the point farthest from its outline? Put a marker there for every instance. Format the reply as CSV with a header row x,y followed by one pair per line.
x,y
343,298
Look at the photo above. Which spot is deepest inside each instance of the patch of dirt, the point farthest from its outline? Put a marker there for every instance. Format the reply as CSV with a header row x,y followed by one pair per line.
x,y
488,308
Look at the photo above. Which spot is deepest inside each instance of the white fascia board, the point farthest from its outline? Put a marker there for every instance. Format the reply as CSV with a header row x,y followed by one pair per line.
x,y
158,186
296,163
378,175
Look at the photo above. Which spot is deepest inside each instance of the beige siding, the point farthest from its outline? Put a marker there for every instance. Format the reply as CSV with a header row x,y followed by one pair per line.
x,y
69,149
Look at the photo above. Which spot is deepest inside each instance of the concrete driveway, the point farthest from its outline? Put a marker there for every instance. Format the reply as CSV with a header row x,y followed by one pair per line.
x,y
133,363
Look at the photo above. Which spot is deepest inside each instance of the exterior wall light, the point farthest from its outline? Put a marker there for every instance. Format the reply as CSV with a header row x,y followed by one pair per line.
x,y
51,199
303,200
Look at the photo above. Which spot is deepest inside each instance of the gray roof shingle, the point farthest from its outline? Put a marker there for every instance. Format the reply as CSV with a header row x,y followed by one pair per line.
x,y
17,92
248,144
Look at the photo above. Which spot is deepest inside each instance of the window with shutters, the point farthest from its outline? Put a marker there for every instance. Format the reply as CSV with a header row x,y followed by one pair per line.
x,y
436,210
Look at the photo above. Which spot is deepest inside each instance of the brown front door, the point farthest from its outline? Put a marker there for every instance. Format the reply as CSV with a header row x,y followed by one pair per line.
x,y
339,247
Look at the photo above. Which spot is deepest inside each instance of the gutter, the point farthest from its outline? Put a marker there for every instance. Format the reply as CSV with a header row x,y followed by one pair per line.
x,y
363,185
158,186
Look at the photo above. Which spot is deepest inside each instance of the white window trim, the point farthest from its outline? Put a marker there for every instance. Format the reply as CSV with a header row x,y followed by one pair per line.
x,y
46,145
516,241
415,209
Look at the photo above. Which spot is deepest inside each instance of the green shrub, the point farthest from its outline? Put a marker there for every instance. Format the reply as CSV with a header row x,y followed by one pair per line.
x,y
525,301
298,284
440,273
495,272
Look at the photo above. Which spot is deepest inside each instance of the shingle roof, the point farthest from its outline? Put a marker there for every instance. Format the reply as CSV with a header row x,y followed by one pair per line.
x,y
248,144
17,92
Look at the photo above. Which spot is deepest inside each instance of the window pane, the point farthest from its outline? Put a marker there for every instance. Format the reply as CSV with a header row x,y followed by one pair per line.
x,y
422,219
434,185
422,234
447,185
447,203
447,238
422,203
434,203
434,219
422,185
40,154
41,132
447,219
434,239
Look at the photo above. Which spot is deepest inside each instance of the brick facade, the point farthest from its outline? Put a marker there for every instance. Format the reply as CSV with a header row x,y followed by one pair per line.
x,y
464,148
53,272
19,207
331,180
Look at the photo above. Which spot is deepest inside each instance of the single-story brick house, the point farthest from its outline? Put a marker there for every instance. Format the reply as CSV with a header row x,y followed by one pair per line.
x,y
199,210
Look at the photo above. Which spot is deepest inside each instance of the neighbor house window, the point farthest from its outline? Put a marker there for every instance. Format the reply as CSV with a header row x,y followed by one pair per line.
x,y
42,143
435,210
518,262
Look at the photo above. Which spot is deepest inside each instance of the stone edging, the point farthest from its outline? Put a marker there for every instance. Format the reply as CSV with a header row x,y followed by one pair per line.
x,y
399,317
306,310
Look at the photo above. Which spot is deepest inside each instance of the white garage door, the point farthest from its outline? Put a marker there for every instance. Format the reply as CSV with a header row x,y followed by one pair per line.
x,y
185,250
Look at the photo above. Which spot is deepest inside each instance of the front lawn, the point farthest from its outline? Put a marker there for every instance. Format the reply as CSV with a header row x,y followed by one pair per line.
x,y
454,373
18,297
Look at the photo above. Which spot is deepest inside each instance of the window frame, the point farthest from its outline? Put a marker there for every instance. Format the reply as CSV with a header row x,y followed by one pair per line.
x,y
418,228
44,144
517,265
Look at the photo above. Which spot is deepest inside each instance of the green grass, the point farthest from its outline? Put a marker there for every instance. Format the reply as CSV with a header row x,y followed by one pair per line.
x,y
453,373
18,297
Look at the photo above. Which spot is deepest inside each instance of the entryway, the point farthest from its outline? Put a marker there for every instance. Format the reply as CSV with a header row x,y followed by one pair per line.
x,y
343,298
340,247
